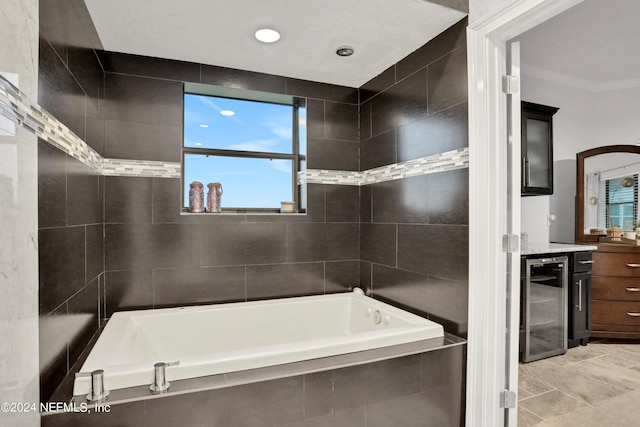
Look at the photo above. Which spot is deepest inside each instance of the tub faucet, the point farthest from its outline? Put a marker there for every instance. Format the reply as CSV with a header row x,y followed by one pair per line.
x,y
98,392
160,382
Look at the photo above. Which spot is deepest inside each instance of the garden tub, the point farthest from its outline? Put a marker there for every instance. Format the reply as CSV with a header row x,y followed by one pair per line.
x,y
222,338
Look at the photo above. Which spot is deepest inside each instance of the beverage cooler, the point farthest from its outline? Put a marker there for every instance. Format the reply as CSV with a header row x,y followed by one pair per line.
x,y
543,316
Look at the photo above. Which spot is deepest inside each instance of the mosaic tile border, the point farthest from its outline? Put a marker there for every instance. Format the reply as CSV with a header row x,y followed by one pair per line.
x,y
15,106
146,168
441,162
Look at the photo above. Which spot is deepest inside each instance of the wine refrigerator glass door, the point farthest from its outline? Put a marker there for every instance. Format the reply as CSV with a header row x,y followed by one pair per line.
x,y
545,307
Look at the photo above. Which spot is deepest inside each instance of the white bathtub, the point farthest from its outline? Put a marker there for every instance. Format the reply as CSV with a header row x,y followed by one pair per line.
x,y
222,338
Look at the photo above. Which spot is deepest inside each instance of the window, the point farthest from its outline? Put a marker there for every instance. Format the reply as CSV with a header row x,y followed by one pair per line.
x,y
253,143
622,201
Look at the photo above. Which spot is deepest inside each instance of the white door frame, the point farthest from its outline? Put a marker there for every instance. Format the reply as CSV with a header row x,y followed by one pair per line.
x,y
488,310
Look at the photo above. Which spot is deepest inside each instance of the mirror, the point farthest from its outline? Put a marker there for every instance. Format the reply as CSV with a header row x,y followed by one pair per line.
x,y
606,190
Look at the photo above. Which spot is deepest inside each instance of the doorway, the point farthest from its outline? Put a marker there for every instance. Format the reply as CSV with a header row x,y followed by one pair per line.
x,y
492,361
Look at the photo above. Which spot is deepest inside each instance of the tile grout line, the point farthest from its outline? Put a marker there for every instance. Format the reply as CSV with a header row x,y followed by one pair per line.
x,y
575,366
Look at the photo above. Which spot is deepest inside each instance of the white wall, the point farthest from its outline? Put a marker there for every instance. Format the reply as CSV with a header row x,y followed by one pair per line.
x,y
534,211
573,123
479,8
586,119
618,119
19,377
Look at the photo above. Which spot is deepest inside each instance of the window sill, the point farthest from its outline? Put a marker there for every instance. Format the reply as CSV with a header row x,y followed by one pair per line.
x,y
242,213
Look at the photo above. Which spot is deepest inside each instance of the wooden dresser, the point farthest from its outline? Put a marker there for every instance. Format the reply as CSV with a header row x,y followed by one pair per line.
x,y
616,292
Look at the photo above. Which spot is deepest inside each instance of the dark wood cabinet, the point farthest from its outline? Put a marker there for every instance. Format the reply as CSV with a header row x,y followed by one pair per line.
x,y
579,312
580,291
537,149
616,292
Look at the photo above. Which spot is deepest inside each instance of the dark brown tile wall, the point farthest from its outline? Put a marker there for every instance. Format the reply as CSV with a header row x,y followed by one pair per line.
x,y
186,286
70,194
424,390
59,92
52,186
129,231
118,243
329,154
224,258
71,260
414,231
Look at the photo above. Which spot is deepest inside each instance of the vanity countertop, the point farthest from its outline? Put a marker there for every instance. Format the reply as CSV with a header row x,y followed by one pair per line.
x,y
556,248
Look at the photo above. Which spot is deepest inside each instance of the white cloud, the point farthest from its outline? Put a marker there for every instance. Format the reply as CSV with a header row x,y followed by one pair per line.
x,y
281,165
282,132
194,117
208,102
231,173
280,126
256,145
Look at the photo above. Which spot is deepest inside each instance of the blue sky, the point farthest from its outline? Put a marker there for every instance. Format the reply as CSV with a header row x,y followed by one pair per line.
x,y
255,126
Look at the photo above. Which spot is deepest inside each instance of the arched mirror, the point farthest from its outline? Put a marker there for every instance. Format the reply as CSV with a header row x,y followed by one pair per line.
x,y
606,190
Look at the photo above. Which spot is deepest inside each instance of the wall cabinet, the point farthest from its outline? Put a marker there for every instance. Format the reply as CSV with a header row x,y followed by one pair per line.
x,y
616,292
537,149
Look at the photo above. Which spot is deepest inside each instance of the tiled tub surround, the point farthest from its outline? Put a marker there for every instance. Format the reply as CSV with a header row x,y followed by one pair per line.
x,y
17,108
129,228
223,338
435,163
70,189
420,383
141,168
414,240
121,241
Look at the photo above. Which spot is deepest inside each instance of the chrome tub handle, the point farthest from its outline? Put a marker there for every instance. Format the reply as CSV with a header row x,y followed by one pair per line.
x,y
160,382
98,392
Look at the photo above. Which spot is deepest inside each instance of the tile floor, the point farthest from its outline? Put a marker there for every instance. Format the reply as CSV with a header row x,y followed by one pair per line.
x,y
593,385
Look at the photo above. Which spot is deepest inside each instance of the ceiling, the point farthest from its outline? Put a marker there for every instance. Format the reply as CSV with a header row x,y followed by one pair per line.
x,y
217,32
594,45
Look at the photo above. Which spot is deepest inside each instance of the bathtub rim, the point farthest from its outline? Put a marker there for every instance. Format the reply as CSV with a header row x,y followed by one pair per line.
x,y
64,391
232,379
407,327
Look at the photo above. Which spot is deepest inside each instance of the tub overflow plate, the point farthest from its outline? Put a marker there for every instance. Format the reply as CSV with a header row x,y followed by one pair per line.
x,y
377,317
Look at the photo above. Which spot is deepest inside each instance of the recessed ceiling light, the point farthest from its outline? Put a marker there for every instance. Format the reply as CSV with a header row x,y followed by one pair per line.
x,y
197,143
227,113
204,126
267,35
344,51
